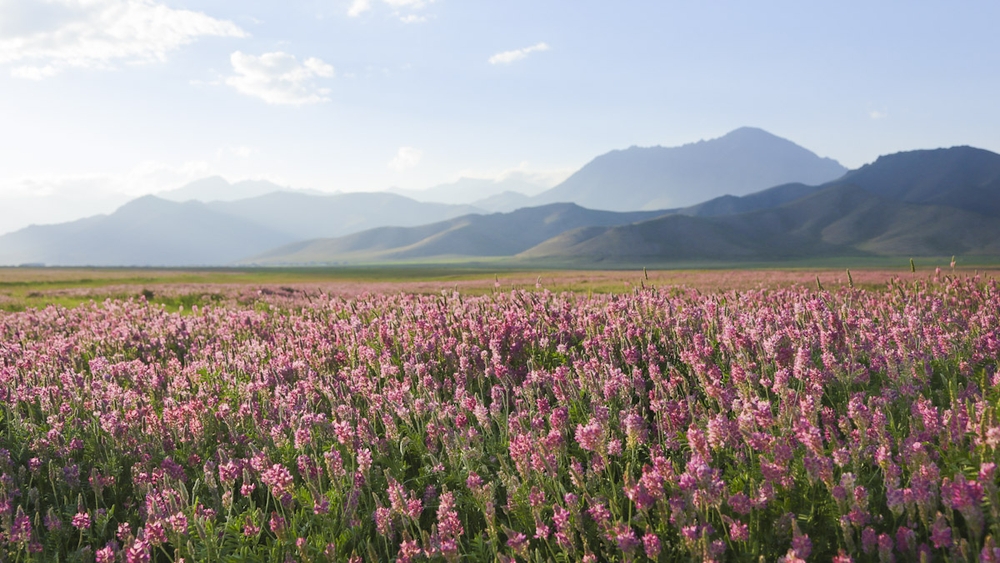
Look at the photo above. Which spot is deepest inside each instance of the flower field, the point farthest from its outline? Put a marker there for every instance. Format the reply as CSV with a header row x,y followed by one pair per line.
x,y
795,423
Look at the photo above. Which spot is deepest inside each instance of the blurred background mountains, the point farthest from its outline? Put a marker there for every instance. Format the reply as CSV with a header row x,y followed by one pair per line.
x,y
746,196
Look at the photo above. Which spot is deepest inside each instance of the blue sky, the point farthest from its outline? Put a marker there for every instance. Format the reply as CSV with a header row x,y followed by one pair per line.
x,y
105,99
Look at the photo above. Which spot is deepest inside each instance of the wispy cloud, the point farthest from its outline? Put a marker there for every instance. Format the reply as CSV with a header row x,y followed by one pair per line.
x,y
278,78
875,114
98,34
404,10
508,57
406,158
359,7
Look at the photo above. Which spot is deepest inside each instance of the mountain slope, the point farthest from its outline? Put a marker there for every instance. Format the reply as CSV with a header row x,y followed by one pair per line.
x,y
153,231
304,216
469,190
499,234
764,199
147,231
963,177
216,188
743,161
841,220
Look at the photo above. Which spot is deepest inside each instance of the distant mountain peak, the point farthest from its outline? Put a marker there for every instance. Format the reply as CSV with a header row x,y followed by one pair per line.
x,y
751,131
743,161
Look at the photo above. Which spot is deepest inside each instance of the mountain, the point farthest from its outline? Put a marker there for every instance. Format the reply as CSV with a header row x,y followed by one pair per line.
x,y
216,188
151,231
146,231
503,202
918,203
469,190
498,234
304,216
741,162
962,177
764,199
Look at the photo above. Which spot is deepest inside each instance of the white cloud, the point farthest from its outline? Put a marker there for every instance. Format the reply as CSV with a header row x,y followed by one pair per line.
x,y
875,114
278,78
406,157
358,7
508,57
97,34
401,9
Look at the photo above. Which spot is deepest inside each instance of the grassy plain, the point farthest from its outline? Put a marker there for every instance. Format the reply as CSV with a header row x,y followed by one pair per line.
x,y
22,288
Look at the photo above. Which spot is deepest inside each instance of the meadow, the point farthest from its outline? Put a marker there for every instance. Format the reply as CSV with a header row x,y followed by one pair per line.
x,y
522,416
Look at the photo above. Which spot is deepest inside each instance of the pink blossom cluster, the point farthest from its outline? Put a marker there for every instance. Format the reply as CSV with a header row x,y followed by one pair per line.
x,y
785,424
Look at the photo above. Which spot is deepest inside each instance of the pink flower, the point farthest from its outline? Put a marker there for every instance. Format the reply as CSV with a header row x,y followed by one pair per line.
x,y
106,554
383,520
651,543
278,479
474,481
178,522
518,542
138,552
449,525
738,531
81,521
277,524
590,436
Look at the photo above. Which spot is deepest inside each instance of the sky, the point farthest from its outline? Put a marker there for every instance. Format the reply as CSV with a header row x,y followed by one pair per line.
x,y
104,100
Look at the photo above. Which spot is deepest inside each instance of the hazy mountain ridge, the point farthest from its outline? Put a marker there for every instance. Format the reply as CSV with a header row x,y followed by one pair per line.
x,y
151,231
863,213
498,234
468,191
741,162
929,202
146,231
304,216
870,211
217,188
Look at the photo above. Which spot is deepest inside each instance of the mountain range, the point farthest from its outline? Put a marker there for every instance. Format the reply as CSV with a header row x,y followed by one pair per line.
x,y
750,196
152,231
918,203
497,234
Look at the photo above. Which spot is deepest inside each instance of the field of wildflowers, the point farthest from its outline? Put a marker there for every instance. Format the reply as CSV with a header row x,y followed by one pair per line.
x,y
794,424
